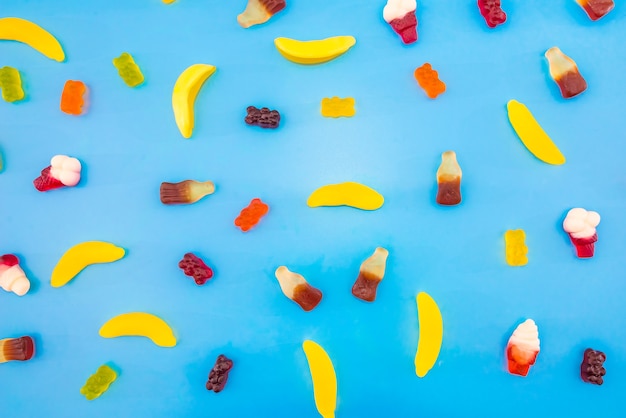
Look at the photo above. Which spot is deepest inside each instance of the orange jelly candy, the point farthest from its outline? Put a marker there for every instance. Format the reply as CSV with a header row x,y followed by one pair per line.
x,y
428,79
72,97
251,215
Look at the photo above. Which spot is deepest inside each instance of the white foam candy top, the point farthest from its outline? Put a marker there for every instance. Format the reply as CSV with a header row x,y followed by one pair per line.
x,y
65,169
581,223
396,9
526,336
14,280
288,280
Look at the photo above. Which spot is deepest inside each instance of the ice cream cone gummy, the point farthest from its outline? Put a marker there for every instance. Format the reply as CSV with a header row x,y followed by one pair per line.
x,y
12,277
523,347
63,171
581,224
400,14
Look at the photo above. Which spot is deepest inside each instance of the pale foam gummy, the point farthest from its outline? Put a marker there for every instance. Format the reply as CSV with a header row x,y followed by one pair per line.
x,y
396,9
14,280
526,336
581,223
65,169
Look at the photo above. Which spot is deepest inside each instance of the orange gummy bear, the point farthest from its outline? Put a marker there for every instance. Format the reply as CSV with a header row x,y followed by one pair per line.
x,y
251,215
72,97
428,79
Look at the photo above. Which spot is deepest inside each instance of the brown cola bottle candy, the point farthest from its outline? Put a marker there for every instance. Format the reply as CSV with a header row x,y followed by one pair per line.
x,y
449,180
371,273
565,74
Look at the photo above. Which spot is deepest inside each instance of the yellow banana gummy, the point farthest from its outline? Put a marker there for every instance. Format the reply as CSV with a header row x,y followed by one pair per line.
x,y
430,334
82,255
314,52
324,378
33,35
139,324
184,95
350,193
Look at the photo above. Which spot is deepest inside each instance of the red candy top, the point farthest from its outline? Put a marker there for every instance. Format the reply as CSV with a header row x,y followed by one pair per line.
x,y
251,215
9,260
193,266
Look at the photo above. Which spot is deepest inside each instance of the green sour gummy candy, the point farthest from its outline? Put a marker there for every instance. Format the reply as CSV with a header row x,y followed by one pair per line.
x,y
128,70
99,382
11,84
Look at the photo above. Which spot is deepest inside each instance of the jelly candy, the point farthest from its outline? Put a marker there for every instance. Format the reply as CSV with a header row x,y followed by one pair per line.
x,y
218,376
581,224
33,35
74,260
264,117
323,377
251,215
11,84
349,193
193,266
564,72
492,12
186,89
336,107
63,171
449,180
428,79
591,369
522,348
16,349
99,382
430,334
185,192
314,52
596,9
532,135
128,70
12,277
259,11
370,275
139,324
516,248
400,14
72,97
296,288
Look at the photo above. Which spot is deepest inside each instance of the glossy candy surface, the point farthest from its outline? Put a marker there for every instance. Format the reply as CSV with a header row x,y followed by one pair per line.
x,y
11,84
194,267
12,277
492,11
371,272
336,107
296,288
139,324
449,176
400,15
264,117
99,382
185,192
17,349
515,247
596,9
63,171
218,376
323,377
82,255
251,215
565,74
259,11
522,348
72,98
592,367
580,224
428,79
128,70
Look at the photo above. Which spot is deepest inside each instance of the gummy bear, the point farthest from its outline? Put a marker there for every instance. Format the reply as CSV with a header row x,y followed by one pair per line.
x,y
63,171
449,180
185,192
193,266
264,117
400,15
596,9
591,369
128,70
564,72
16,349
72,97
11,84
251,215
336,107
296,288
522,348
259,11
99,382
12,277
218,376
580,225
370,275
428,79
516,249
492,12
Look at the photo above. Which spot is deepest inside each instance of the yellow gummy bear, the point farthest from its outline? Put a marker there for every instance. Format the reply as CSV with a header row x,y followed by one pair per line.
x,y
516,248
336,107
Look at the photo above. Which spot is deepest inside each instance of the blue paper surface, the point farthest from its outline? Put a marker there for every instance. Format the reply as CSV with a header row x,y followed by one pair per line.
x,y
128,143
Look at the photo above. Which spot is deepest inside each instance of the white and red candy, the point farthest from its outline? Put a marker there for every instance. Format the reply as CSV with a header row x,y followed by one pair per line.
x,y
400,14
63,171
12,277
522,348
580,224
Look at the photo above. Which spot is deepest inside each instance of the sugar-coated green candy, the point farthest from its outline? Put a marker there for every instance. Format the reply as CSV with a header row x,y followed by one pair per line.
x,y
11,84
99,382
128,70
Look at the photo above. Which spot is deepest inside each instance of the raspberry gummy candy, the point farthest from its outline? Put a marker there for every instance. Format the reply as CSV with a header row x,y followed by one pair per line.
x,y
194,267
592,368
264,117
492,12
219,374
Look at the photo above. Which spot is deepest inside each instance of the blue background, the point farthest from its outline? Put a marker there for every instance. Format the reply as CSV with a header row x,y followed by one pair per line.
x,y
129,144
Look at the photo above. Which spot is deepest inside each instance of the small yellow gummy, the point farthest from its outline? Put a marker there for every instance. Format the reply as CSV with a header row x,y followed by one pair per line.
x,y
349,193
516,248
336,107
